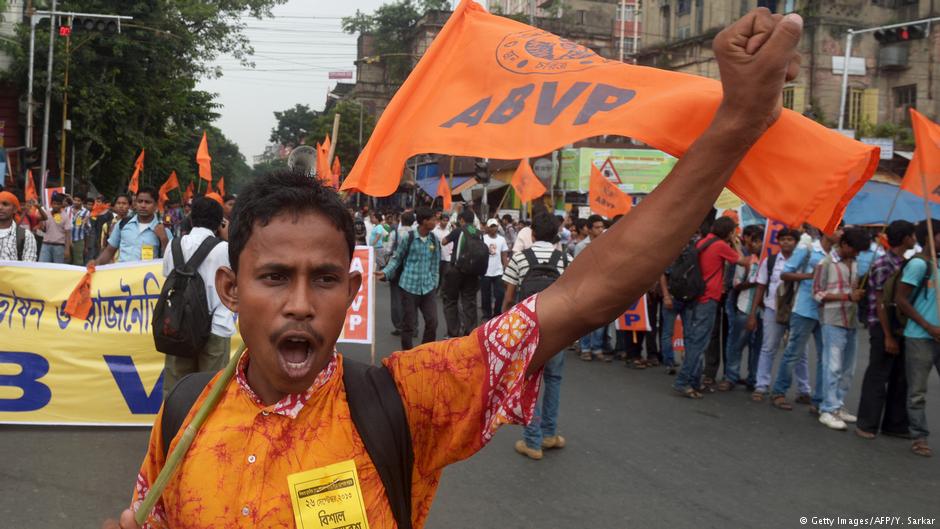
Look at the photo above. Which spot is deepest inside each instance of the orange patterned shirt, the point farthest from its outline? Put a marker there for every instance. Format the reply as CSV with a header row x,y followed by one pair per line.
x,y
456,394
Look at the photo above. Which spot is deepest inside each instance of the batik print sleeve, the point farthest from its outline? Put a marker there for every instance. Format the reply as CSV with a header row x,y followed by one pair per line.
x,y
459,392
149,470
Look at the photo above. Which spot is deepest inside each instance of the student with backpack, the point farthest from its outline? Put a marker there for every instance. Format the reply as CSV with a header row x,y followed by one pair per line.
x,y
745,284
528,273
191,325
140,237
883,405
916,297
695,279
16,242
469,262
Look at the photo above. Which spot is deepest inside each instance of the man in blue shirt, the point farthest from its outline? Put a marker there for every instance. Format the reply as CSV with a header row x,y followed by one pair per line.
x,y
419,256
917,298
142,237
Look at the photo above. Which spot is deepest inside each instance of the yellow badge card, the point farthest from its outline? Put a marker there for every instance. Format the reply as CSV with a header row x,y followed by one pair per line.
x,y
78,221
57,218
146,252
328,498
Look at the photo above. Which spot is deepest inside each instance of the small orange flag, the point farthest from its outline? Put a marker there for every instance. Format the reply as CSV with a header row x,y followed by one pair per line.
x,y
337,172
79,303
925,166
215,196
221,186
506,79
204,160
443,190
324,171
100,208
134,184
171,183
188,194
605,198
31,193
528,186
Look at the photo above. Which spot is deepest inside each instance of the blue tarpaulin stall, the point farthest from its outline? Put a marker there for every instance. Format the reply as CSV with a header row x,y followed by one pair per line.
x,y
872,204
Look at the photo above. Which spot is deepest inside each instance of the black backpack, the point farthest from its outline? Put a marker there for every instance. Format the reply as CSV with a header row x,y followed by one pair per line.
x,y
474,254
685,280
897,319
181,319
377,412
540,275
20,242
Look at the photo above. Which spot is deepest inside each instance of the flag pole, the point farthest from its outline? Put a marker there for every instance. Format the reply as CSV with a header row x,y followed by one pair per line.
x,y
930,240
333,139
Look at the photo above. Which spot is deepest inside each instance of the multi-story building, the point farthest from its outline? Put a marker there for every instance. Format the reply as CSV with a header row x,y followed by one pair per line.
x,y
885,78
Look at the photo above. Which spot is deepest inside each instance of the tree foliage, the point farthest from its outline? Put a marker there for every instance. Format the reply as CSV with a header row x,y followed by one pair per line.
x,y
293,125
347,143
137,89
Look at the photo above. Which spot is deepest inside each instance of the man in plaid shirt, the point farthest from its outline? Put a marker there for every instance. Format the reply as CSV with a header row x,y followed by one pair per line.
x,y
419,255
883,405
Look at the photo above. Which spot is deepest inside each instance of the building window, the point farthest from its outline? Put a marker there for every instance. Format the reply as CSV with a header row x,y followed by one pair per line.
x,y
683,7
794,98
862,107
789,6
745,7
905,97
788,97
629,13
769,4
855,108
665,15
683,32
699,17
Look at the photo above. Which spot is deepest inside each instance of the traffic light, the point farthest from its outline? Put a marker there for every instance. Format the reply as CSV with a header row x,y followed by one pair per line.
x,y
102,25
901,34
482,170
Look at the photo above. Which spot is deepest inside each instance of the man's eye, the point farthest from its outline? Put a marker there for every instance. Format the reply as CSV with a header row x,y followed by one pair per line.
x,y
274,276
326,280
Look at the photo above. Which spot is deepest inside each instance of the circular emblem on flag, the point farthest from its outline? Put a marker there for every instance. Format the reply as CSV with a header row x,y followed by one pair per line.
x,y
540,52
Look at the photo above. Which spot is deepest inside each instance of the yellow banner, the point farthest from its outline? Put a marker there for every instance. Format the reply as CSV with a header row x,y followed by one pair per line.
x,y
55,369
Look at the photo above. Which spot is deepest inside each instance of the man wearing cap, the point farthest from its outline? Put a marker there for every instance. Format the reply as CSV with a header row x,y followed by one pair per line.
x,y
16,242
491,284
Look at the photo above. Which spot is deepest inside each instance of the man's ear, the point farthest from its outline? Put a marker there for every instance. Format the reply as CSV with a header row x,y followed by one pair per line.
x,y
355,281
227,287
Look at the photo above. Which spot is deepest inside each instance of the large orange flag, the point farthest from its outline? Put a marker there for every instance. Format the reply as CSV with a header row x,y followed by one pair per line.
x,y
171,183
443,191
605,198
188,194
31,193
514,91
324,171
204,160
925,166
134,184
220,187
527,185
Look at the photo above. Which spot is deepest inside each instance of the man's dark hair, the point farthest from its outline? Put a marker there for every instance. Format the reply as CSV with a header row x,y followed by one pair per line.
x,y
580,224
58,197
723,226
856,238
594,219
616,219
467,215
378,216
922,233
544,227
898,231
789,232
753,231
424,213
284,192
123,195
226,198
407,218
148,190
79,197
507,217
206,213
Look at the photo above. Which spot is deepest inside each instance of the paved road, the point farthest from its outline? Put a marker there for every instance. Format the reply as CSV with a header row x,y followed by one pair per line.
x,y
637,456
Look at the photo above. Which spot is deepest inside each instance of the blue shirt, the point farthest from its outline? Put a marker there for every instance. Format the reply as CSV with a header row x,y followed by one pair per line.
x,y
804,261
79,223
377,236
131,241
419,275
925,299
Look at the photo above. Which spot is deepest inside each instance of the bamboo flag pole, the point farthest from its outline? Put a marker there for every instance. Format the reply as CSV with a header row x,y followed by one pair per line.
x,y
333,139
930,240
189,434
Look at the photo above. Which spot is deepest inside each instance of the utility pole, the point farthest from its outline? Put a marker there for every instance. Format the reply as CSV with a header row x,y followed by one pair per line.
x,y
636,28
623,22
45,110
65,112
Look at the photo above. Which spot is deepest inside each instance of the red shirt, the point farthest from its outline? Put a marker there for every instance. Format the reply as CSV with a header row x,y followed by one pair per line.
x,y
711,262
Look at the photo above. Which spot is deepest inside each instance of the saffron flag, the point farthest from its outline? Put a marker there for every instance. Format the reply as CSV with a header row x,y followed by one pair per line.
x,y
525,183
188,194
506,80
204,160
215,196
220,187
100,208
31,193
171,183
337,172
78,305
324,171
605,198
443,191
134,184
924,169
636,318
771,246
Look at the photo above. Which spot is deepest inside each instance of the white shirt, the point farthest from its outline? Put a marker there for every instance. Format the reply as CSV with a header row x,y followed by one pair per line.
x,y
497,246
523,240
446,249
223,321
770,297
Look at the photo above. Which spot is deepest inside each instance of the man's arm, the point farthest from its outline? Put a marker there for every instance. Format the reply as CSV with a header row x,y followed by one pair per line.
x,y
42,213
756,55
106,256
903,299
891,344
509,298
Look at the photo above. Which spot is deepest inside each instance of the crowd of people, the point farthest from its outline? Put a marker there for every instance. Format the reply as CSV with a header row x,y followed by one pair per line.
x,y
769,304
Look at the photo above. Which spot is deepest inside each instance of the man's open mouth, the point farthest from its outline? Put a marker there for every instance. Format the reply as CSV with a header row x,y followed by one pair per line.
x,y
296,354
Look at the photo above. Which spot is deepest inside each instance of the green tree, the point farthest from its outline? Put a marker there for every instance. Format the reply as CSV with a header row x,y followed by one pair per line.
x,y
347,143
293,125
137,89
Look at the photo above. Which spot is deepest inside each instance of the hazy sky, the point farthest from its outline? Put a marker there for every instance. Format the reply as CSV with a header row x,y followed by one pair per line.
x,y
294,52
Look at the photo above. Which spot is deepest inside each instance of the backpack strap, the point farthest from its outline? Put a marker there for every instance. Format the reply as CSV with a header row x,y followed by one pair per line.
x,y
199,255
125,220
378,413
555,258
20,242
530,258
178,403
176,247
